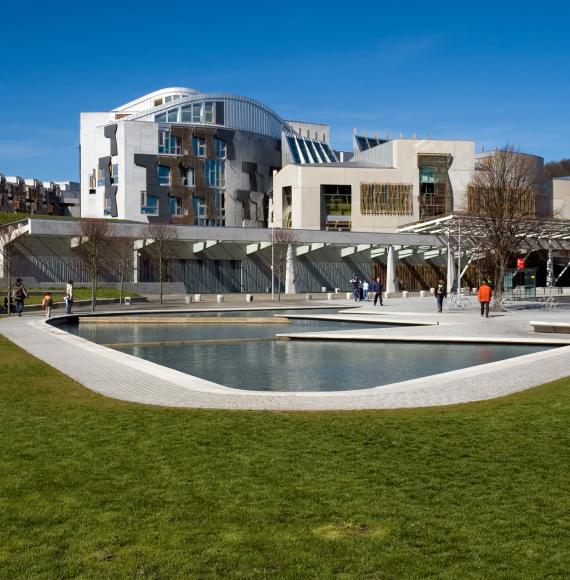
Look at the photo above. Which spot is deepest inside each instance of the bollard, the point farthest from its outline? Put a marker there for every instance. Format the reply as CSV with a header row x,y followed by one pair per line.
x,y
249,297
188,298
349,295
337,290
330,296
405,294
219,298
423,293
197,297
127,300
323,288
308,297
432,290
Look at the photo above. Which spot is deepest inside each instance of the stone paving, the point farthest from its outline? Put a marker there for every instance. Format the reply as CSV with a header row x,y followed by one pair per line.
x,y
118,375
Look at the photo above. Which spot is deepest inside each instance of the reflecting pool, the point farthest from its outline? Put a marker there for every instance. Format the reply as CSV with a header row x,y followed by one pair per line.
x,y
249,357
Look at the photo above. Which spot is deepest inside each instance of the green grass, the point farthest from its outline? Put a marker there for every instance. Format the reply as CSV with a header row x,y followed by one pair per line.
x,y
78,294
96,488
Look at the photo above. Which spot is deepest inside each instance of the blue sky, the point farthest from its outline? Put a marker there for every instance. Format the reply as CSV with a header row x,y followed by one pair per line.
x,y
494,72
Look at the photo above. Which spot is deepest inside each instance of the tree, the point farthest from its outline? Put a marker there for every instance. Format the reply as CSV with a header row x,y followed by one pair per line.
x,y
123,254
163,235
501,201
94,239
282,239
8,235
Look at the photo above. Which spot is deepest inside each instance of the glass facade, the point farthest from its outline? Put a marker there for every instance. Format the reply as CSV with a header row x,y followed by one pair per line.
x,y
436,195
336,204
149,204
199,146
175,205
168,144
309,151
221,148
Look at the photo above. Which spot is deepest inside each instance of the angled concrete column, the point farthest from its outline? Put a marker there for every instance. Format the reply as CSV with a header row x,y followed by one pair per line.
x,y
290,281
391,271
450,269
549,266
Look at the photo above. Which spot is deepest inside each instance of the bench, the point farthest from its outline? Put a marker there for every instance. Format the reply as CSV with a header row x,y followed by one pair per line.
x,y
557,327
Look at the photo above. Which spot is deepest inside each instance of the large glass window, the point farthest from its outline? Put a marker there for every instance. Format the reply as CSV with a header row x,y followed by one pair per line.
x,y
200,211
160,118
221,148
199,146
337,205
163,175
168,144
436,195
172,116
215,172
149,204
386,199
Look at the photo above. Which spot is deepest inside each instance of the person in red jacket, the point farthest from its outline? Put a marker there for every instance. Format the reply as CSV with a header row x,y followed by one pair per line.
x,y
484,294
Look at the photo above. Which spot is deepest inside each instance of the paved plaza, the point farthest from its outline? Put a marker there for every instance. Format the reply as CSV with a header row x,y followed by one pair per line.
x,y
122,376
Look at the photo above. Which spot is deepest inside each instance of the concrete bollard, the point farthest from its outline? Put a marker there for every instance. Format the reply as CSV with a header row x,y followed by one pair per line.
x,y
308,297
219,298
127,300
323,288
197,297
249,297
330,296
405,294
423,293
432,290
337,290
188,299
474,290
349,295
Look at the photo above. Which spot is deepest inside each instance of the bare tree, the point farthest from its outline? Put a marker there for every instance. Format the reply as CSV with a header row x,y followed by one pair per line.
x,y
502,202
282,238
123,255
7,251
163,235
94,240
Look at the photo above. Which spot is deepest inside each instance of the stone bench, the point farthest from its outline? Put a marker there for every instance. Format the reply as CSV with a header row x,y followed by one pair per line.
x,y
557,327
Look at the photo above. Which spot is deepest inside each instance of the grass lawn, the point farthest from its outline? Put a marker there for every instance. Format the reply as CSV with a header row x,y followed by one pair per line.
x,y
97,488
78,294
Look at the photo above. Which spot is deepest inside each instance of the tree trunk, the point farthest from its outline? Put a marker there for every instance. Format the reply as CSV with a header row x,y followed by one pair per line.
x,y
160,273
93,280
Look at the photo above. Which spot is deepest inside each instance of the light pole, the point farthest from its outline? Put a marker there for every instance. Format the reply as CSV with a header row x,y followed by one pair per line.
x,y
459,262
272,256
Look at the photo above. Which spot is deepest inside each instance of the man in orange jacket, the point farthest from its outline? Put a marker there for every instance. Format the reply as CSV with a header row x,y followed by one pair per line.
x,y
484,295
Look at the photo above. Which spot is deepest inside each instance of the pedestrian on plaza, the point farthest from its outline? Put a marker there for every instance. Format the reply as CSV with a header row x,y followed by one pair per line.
x,y
19,294
377,289
69,297
365,289
47,303
355,291
484,294
440,294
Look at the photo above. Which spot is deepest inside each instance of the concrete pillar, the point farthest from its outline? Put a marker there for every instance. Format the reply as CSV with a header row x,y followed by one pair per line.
x,y
549,266
391,272
290,281
450,269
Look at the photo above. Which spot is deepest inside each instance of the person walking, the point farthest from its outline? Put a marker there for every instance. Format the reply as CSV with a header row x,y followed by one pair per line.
x,y
19,294
355,290
365,289
377,289
47,303
440,294
484,294
69,297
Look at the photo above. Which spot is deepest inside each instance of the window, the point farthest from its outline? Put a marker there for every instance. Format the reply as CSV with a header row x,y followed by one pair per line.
x,y
163,175
107,209
209,113
337,205
149,204
215,172
199,146
199,209
157,102
168,144
161,118
221,148
175,204
167,99
100,179
188,176
386,199
436,195
114,174
172,116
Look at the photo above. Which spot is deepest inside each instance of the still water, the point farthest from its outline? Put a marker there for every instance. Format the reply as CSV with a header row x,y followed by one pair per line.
x,y
274,365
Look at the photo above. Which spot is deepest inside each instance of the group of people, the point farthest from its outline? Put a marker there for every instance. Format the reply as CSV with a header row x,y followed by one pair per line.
x,y
362,289
484,294
19,295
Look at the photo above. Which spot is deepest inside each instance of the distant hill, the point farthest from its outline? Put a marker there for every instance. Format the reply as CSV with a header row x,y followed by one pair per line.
x,y
557,168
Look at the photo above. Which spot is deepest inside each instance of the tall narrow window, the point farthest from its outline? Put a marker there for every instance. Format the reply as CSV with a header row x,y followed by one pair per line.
x,y
221,148
175,204
163,175
215,172
114,174
197,113
168,144
199,146
149,204
209,113
188,176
